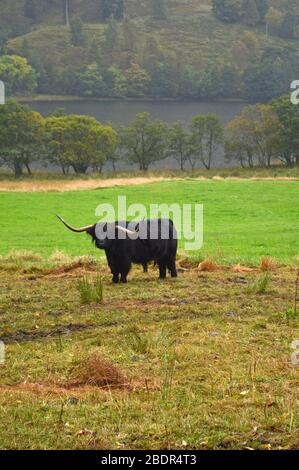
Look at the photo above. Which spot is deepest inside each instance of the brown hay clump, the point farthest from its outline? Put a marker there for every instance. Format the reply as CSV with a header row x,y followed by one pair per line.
x,y
98,372
208,266
268,264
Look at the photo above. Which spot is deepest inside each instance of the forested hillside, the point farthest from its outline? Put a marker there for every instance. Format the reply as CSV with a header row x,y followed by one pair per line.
x,y
157,48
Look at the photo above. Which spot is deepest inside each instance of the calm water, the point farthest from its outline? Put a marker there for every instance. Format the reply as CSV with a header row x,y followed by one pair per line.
x,y
123,112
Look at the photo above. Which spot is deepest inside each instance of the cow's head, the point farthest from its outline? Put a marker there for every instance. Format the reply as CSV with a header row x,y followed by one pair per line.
x,y
103,234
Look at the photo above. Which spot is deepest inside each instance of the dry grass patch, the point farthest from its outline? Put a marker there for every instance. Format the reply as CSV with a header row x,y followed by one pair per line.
x,y
59,257
268,264
208,266
21,256
97,372
78,263
243,269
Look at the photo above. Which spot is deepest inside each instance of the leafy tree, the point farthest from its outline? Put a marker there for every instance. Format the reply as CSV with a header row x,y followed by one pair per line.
x,y
189,82
288,115
179,144
229,11
158,9
267,78
164,80
262,7
17,74
77,31
90,82
138,80
238,144
208,82
20,136
144,142
112,36
207,135
254,136
250,13
112,9
116,82
79,142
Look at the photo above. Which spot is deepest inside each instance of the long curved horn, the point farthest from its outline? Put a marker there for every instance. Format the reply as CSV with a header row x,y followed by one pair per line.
x,y
125,230
76,230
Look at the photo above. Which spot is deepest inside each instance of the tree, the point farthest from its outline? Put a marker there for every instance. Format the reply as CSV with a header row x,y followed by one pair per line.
x,y
77,31
229,11
179,144
138,80
262,7
208,81
250,13
112,36
90,81
111,9
238,146
164,80
267,78
67,12
116,82
79,142
158,9
17,74
288,115
254,135
21,132
207,135
144,142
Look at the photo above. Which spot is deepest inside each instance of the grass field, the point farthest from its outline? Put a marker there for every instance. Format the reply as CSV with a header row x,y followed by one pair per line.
x,y
206,360
198,362
243,220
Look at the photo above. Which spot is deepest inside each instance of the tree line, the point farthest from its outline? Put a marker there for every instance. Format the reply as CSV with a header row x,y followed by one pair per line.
x,y
261,135
121,64
281,18
268,75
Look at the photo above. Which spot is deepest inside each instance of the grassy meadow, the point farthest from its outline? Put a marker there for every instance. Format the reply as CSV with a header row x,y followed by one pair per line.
x,y
198,362
243,220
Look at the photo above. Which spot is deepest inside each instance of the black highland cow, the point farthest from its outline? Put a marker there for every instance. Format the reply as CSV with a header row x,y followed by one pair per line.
x,y
151,240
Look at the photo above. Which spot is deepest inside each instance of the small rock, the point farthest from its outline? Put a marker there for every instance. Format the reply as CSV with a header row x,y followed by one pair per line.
x,y
72,400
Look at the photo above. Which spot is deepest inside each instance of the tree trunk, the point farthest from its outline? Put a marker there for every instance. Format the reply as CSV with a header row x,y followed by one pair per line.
x,y
80,169
28,168
18,169
67,13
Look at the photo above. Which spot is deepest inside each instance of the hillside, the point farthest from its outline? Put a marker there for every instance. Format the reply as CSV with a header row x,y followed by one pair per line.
x,y
185,52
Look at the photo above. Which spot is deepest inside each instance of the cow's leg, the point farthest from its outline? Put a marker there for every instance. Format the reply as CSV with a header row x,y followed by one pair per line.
x,y
172,267
115,278
162,269
125,269
145,267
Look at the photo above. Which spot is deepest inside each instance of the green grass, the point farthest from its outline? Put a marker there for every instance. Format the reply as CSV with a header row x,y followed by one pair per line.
x,y
243,220
90,290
